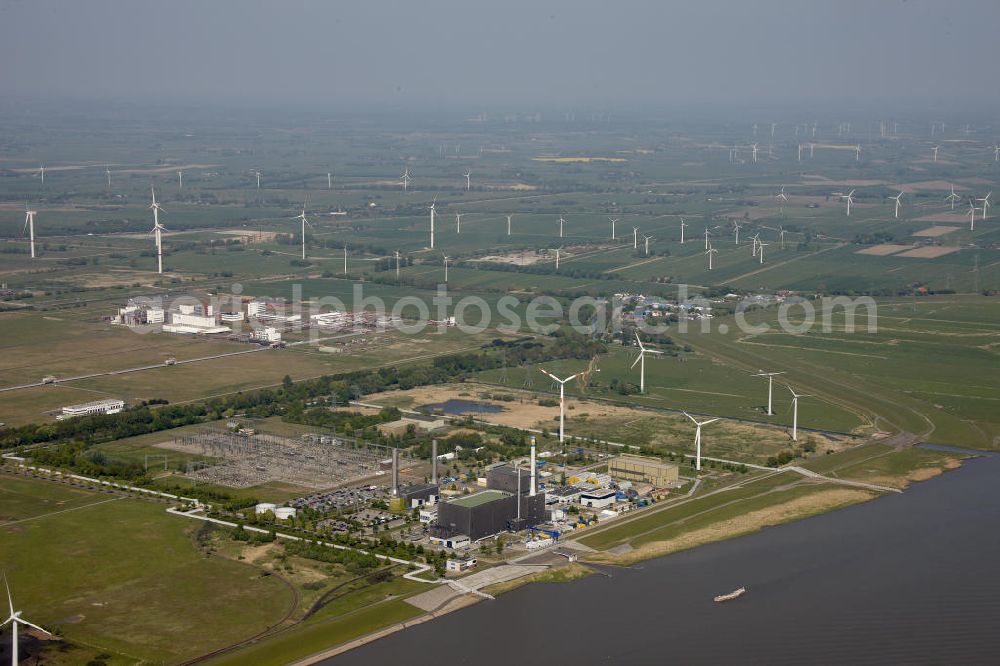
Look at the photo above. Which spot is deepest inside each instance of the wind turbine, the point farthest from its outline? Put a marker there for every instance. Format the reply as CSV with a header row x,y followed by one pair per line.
x,y
562,399
41,172
760,250
857,153
406,178
996,153
445,268
795,412
756,242
849,197
641,360
986,203
800,150
935,149
899,203
29,224
157,229
710,251
432,221
558,250
345,258
561,223
647,239
302,216
458,223
736,228
972,215
397,265
697,438
468,181
508,225
781,236
635,238
257,173
781,195
682,230
329,180
614,221
14,619
953,197
706,238
107,171
754,148
770,385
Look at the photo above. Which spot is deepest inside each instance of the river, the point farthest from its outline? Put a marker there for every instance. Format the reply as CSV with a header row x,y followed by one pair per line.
x,y
909,578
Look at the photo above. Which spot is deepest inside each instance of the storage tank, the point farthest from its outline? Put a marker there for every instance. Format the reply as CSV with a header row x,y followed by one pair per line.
x,y
264,507
284,513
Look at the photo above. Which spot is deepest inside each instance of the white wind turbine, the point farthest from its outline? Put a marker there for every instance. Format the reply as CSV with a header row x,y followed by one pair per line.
x,y
433,211
562,400
770,385
986,203
857,153
754,148
641,360
180,180
302,216
29,224
972,216
614,221
41,172
935,149
329,180
508,225
849,197
647,239
760,250
257,173
157,229
996,153
800,152
781,195
899,203
561,223
795,412
406,178
682,230
458,223
558,251
397,264
756,243
953,197
468,181
781,236
710,251
697,438
736,228
345,258
107,171
14,619
635,238
445,268
706,238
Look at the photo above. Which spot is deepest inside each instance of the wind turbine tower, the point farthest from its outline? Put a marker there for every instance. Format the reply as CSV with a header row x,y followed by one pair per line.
x,y
157,230
302,216
562,400
795,413
29,224
697,438
899,203
770,385
641,360
468,181
614,221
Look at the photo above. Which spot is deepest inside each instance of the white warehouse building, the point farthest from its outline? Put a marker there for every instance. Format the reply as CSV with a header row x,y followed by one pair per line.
x,y
107,406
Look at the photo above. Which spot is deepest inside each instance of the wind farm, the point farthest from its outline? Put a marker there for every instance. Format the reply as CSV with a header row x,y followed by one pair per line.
x,y
300,414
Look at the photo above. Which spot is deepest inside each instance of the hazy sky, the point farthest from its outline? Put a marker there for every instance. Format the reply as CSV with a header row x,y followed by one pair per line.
x,y
510,54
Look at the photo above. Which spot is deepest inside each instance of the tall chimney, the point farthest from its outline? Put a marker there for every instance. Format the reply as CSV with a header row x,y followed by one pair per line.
x,y
434,461
395,472
532,493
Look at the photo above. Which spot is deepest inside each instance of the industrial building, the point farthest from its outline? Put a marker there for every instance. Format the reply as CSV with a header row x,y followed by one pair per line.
x,y
562,495
598,499
495,509
107,406
643,470
417,494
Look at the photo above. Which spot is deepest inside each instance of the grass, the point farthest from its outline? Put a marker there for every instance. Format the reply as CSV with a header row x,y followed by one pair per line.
x,y
125,576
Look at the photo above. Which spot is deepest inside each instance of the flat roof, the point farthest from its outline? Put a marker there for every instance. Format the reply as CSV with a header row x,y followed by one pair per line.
x,y
476,499
106,402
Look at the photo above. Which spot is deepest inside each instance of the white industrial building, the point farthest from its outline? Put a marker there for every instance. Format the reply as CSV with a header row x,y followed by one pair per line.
x,y
267,334
107,406
256,308
598,499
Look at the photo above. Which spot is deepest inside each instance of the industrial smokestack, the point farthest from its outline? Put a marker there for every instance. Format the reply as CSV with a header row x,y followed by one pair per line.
x,y
434,461
532,492
395,472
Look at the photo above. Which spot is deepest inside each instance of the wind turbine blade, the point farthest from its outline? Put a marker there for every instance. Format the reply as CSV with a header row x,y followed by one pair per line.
x,y
705,423
10,600
33,626
690,417
636,361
